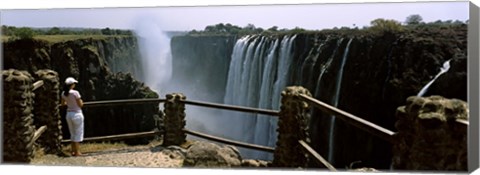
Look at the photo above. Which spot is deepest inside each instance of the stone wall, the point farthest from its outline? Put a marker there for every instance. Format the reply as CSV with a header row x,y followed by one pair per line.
x,y
46,111
428,136
18,128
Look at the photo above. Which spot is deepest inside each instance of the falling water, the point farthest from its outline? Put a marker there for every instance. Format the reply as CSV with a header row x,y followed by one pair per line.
x,y
324,68
258,72
445,68
335,101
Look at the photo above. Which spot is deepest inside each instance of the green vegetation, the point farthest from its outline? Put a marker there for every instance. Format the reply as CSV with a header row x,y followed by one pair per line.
x,y
229,29
378,27
413,19
56,34
62,38
381,26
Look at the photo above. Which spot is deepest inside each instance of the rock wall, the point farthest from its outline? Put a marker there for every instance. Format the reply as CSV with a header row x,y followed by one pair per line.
x,y
428,136
380,72
46,111
18,128
94,62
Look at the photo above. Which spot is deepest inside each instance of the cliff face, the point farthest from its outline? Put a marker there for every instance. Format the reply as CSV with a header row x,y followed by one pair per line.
x,y
80,57
380,71
200,66
97,64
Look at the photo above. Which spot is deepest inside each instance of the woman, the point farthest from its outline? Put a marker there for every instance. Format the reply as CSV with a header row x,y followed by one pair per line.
x,y
74,117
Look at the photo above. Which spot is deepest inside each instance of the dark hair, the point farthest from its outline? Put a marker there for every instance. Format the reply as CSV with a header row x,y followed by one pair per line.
x,y
66,89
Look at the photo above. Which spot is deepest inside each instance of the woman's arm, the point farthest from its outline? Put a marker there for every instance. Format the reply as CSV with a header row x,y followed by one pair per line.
x,y
80,102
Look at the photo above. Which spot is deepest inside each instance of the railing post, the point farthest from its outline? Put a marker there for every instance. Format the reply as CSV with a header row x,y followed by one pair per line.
x,y
46,111
428,136
174,120
18,129
292,127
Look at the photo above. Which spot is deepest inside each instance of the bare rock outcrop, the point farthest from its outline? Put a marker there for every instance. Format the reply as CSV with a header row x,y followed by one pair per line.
x,y
207,155
429,136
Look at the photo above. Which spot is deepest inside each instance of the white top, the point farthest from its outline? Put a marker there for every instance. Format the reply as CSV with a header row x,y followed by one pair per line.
x,y
71,100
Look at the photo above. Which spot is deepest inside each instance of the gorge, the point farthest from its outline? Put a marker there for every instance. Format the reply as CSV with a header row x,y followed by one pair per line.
x,y
368,74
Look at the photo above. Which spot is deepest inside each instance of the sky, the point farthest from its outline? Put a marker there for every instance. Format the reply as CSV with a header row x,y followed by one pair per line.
x,y
308,16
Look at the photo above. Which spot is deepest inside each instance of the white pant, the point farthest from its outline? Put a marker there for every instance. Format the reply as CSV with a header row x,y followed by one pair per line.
x,y
75,126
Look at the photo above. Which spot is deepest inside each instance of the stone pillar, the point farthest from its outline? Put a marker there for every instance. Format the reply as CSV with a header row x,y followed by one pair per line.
x,y
292,126
18,129
174,120
46,111
428,136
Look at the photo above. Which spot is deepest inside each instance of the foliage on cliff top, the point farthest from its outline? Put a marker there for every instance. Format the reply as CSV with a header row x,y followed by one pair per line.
x,y
377,27
56,34
63,38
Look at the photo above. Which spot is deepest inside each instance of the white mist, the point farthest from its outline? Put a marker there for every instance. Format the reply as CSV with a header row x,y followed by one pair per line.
x,y
154,46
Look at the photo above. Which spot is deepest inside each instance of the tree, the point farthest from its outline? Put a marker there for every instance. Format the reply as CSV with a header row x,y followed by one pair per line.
x,y
385,25
24,33
249,27
413,19
106,31
54,31
274,28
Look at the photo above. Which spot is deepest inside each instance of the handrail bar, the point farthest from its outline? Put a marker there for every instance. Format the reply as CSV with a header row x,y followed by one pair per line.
x,y
316,155
119,136
365,125
37,84
231,142
273,113
124,101
462,121
38,133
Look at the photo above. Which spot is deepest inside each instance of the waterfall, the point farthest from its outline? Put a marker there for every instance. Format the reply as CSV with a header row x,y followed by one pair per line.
x,y
336,97
324,68
154,46
445,68
258,72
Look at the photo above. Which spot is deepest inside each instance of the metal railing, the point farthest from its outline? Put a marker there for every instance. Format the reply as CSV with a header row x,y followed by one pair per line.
x,y
38,133
273,113
119,136
37,84
358,122
365,125
124,101
42,129
317,156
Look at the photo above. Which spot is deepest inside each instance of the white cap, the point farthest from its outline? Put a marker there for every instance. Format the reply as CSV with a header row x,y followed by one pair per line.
x,y
70,81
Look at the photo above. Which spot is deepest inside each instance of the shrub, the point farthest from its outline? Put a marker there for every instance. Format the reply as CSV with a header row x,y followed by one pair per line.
x,y
381,26
413,19
24,33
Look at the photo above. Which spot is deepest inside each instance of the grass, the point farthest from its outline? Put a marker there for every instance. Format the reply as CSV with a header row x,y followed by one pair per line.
x,y
63,38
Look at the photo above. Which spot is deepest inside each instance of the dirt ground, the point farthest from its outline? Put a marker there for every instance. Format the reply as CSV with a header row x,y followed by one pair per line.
x,y
132,156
